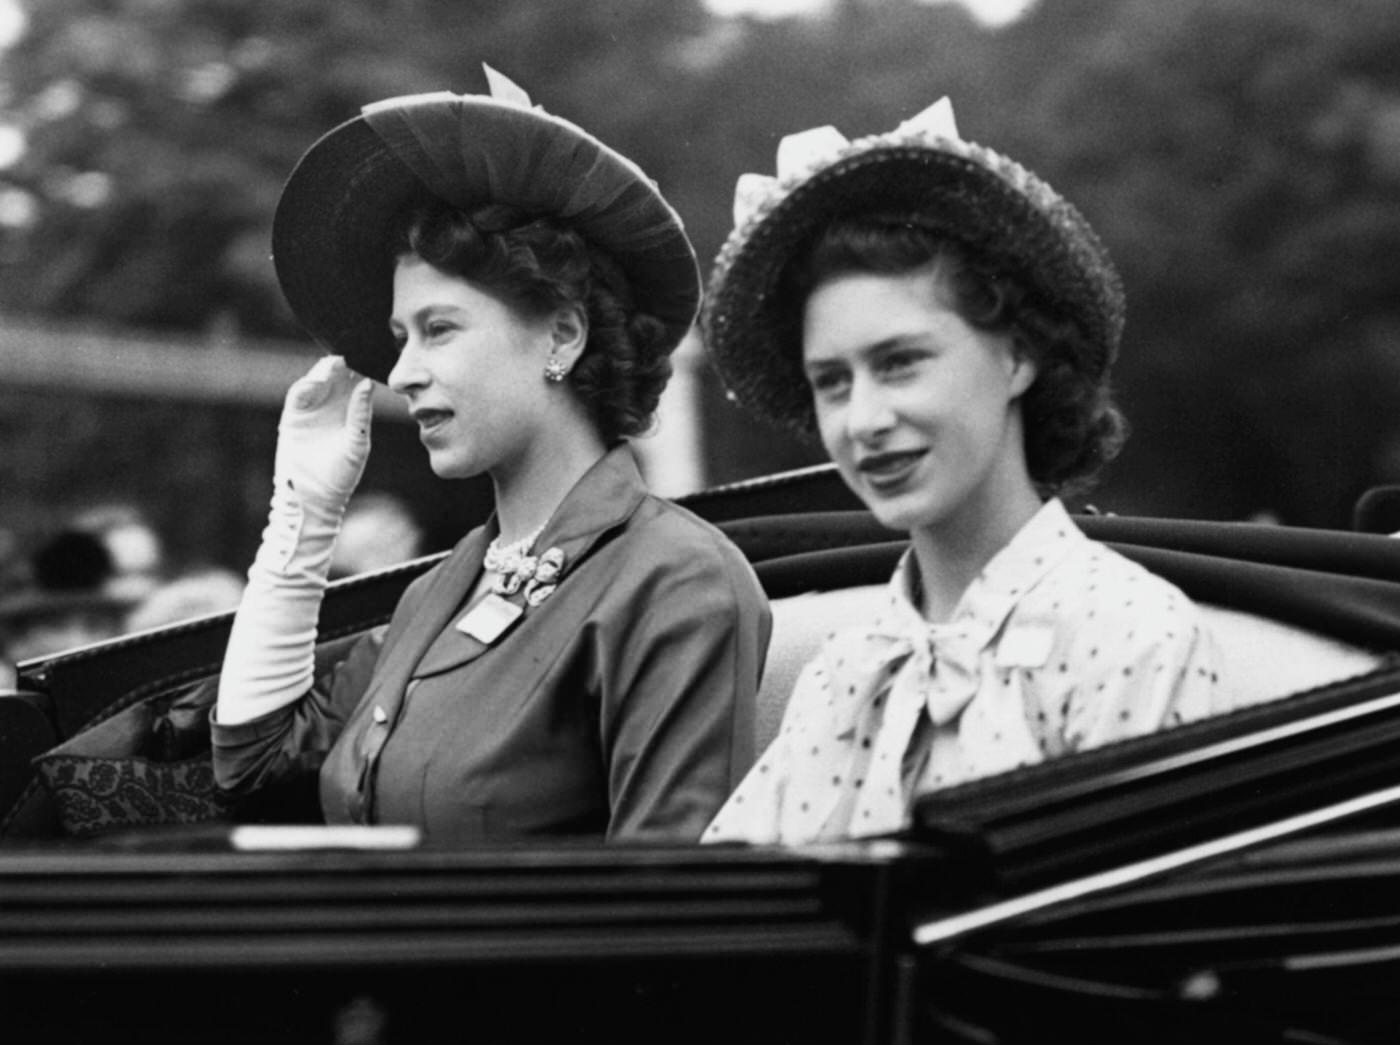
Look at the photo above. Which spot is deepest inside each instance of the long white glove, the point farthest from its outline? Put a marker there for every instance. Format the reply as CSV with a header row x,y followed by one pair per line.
x,y
322,446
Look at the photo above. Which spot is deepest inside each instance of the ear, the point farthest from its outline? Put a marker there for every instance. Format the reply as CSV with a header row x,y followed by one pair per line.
x,y
1024,370
568,334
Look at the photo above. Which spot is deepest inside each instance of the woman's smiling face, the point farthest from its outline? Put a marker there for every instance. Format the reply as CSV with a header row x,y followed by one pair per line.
x,y
470,368
918,409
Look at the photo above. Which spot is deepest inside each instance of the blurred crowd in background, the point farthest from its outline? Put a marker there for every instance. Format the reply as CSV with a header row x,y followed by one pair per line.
x,y
106,572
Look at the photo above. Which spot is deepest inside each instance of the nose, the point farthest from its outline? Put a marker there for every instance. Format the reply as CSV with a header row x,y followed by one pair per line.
x,y
869,415
407,373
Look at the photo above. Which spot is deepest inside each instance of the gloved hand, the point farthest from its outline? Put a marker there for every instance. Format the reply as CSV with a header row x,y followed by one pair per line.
x,y
322,446
323,436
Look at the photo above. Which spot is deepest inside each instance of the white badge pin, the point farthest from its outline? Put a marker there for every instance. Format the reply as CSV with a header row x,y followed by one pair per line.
x,y
488,620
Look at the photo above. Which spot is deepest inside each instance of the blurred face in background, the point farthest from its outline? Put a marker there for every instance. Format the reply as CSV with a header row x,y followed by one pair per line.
x,y
135,548
377,531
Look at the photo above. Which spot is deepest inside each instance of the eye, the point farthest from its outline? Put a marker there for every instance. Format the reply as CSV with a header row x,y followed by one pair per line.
x,y
829,383
898,362
437,329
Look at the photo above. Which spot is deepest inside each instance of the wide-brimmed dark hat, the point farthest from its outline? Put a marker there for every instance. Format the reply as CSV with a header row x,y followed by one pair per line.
x,y
922,173
330,234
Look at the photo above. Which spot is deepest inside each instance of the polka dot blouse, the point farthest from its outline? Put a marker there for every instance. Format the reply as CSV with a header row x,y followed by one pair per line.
x,y
1059,645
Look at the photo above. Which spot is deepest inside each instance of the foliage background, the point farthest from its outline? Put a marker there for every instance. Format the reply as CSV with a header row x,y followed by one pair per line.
x,y
1241,158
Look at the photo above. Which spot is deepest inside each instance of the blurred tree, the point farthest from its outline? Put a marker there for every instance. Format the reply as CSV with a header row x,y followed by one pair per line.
x,y
1242,160
159,131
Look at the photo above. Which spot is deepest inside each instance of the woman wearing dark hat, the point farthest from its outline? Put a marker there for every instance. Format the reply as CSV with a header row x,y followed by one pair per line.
x,y
585,663
946,323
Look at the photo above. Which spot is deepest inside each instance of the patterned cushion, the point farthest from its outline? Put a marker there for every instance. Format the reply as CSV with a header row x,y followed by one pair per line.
x,y
94,795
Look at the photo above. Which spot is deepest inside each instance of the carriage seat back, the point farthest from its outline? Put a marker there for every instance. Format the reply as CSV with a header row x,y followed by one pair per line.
x,y
1263,658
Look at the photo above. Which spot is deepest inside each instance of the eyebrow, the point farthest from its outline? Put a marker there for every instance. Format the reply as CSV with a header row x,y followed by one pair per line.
x,y
417,316
887,344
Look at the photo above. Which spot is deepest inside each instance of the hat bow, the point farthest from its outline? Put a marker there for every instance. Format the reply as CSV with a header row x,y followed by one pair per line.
x,y
802,154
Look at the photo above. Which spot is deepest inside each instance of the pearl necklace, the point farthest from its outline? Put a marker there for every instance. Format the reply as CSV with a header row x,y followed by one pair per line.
x,y
508,558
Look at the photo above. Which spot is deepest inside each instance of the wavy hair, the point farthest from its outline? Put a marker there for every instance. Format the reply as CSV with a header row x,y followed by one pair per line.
x,y
536,265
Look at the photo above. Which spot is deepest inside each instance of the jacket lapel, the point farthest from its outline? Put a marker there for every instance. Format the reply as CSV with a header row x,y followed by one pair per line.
x,y
604,498
452,647
433,614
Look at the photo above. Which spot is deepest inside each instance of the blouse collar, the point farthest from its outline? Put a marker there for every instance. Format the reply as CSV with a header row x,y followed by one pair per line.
x,y
1045,540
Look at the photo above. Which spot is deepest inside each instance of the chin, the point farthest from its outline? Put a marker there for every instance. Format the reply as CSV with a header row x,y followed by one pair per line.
x,y
891,513
890,519
906,513
905,510
451,468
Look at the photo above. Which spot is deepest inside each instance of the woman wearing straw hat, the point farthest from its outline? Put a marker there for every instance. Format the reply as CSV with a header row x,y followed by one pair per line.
x,y
945,322
584,664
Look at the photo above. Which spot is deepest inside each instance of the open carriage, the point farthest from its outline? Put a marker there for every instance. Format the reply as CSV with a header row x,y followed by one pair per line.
x,y
1232,880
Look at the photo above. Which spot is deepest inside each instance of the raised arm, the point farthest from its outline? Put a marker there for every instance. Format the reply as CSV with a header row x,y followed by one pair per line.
x,y
322,445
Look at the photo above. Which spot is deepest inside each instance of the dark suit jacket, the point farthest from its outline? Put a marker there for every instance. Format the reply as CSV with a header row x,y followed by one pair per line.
x,y
620,706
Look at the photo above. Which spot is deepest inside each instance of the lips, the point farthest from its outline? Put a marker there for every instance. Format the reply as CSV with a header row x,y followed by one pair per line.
x,y
890,469
429,419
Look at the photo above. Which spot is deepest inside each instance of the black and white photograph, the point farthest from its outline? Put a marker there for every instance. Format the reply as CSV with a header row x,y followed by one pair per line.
x,y
760,522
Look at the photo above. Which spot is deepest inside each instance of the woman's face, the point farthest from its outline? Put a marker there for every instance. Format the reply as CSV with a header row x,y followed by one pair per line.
x,y
471,370
918,409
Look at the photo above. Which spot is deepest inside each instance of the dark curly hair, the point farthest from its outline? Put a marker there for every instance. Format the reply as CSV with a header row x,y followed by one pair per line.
x,y
535,265
1071,426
